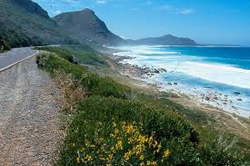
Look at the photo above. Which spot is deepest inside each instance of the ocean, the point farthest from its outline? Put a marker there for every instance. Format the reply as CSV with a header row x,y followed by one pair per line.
x,y
220,73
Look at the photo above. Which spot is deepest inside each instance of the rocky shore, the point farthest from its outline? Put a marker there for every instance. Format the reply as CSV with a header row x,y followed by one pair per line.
x,y
205,95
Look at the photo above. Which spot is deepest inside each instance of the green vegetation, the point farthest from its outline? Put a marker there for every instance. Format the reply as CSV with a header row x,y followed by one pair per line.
x,y
25,23
80,53
91,82
110,127
4,46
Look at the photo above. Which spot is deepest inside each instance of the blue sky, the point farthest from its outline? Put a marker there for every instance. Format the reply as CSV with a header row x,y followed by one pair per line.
x,y
206,21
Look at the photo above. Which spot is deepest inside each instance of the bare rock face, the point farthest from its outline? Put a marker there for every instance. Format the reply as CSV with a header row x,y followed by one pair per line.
x,y
86,26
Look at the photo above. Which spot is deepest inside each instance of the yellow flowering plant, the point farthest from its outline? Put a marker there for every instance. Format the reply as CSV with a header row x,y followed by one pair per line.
x,y
126,144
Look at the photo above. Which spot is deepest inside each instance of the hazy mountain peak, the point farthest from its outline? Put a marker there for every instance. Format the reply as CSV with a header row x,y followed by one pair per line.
x,y
87,10
165,40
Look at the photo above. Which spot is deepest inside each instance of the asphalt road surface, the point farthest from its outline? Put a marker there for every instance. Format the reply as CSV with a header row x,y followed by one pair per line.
x,y
15,55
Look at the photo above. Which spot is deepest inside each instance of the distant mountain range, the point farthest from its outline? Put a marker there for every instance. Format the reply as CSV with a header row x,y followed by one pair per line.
x,y
25,23
86,26
164,40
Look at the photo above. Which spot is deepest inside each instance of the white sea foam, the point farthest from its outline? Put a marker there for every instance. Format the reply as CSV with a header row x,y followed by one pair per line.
x,y
190,65
146,50
217,73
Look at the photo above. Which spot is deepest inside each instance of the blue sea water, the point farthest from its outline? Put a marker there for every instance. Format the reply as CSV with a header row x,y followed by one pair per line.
x,y
225,70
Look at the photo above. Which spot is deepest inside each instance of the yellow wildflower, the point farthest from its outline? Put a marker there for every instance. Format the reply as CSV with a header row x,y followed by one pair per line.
x,y
154,163
166,153
110,156
127,155
92,146
119,145
142,164
142,139
78,160
112,149
158,148
130,129
141,157
89,158
116,131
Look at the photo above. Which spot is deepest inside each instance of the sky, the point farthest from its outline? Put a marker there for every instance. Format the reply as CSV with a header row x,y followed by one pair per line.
x,y
205,21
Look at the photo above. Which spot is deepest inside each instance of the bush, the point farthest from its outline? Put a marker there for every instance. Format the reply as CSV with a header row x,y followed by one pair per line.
x,y
4,46
92,83
121,132
80,53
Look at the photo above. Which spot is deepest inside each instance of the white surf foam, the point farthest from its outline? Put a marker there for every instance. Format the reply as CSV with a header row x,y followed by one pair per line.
x,y
146,50
190,65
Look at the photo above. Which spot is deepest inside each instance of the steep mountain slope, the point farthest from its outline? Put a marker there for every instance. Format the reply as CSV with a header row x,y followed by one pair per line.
x,y
87,27
165,40
24,23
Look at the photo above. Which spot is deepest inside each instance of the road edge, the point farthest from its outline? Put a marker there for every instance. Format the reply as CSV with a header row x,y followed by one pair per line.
x,y
13,64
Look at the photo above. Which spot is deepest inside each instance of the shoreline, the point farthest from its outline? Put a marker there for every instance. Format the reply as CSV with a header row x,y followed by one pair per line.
x,y
216,118
204,96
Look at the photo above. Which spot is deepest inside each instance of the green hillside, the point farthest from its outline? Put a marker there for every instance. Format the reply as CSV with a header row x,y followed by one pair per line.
x,y
108,126
25,23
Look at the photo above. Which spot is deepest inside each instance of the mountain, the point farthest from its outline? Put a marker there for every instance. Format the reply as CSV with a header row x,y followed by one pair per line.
x,y
87,27
25,23
164,40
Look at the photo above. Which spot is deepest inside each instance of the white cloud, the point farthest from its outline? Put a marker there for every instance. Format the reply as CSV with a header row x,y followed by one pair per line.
x,y
101,1
175,10
57,12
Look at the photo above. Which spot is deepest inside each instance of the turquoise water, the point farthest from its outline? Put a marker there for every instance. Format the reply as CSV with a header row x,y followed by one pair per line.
x,y
225,70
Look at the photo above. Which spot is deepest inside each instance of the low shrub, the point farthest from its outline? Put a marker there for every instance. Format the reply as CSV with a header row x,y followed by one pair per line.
x,y
78,53
109,131
91,82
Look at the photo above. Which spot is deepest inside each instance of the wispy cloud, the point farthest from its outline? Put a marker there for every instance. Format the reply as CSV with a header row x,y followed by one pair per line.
x,y
176,10
101,1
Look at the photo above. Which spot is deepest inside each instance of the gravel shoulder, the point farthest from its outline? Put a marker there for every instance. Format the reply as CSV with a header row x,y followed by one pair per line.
x,y
29,116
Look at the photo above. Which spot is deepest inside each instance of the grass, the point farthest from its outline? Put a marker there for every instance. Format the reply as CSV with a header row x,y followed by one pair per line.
x,y
80,53
92,83
110,127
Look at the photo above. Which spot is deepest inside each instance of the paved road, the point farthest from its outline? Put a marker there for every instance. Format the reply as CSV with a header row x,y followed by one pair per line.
x,y
15,55
29,116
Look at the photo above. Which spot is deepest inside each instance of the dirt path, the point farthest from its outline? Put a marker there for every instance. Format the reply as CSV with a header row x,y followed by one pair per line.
x,y
29,117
